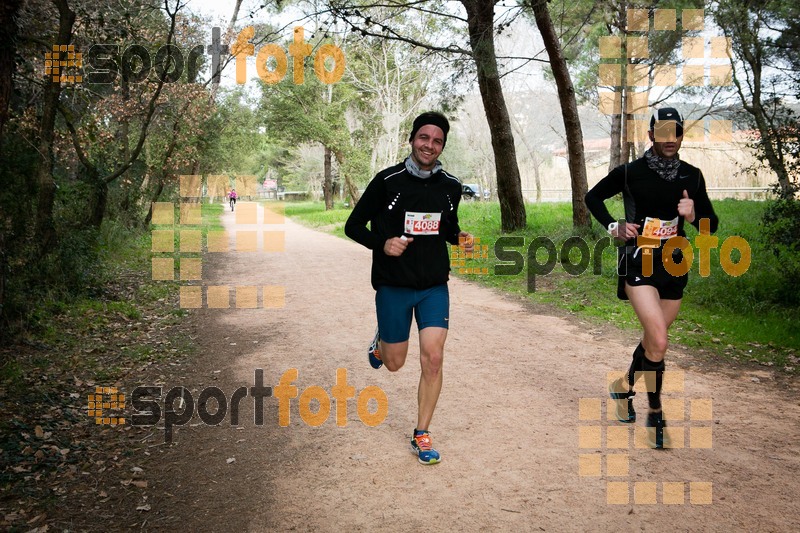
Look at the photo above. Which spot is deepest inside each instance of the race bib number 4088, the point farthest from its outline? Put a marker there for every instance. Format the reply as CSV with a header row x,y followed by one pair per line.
x,y
422,223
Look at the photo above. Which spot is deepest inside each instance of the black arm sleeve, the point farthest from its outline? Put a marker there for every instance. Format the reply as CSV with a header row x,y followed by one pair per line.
x,y
366,209
703,207
605,189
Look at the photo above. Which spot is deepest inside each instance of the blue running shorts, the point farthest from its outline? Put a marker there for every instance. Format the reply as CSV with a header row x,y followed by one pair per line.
x,y
394,305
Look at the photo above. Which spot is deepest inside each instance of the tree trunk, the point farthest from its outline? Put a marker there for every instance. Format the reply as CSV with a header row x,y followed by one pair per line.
x,y
625,146
124,141
352,188
212,97
8,34
534,158
3,269
45,229
8,47
231,25
327,184
770,141
99,200
615,157
480,20
569,112
156,196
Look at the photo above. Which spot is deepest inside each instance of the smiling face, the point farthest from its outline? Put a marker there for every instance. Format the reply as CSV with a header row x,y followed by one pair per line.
x,y
666,138
427,145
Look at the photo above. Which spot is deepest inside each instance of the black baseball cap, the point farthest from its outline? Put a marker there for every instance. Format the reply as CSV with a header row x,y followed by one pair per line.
x,y
667,114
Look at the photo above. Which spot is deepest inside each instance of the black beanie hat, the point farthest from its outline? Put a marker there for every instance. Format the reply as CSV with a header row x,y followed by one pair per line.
x,y
436,119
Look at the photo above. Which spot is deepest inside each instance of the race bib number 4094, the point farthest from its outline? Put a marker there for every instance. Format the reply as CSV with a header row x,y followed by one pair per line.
x,y
422,223
655,228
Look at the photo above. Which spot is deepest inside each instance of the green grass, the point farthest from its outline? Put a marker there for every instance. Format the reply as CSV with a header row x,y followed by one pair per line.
x,y
313,215
737,317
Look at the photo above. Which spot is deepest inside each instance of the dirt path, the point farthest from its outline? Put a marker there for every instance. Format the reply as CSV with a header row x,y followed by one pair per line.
x,y
507,424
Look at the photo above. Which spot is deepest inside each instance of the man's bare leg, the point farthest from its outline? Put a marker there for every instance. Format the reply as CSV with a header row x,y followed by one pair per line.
x,y
431,341
656,316
393,354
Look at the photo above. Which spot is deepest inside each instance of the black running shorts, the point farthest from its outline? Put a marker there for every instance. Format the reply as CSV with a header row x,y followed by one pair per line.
x,y
629,270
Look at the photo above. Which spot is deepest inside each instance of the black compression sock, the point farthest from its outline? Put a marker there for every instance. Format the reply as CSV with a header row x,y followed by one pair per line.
x,y
636,365
653,381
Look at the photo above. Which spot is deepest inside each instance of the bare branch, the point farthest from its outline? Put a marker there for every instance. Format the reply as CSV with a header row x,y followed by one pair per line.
x,y
390,33
151,106
75,141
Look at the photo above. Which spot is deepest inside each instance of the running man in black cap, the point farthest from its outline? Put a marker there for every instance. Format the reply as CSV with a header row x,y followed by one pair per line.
x,y
660,193
412,211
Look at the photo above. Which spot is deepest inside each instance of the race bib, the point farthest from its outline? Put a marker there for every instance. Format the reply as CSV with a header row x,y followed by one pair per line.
x,y
655,228
422,223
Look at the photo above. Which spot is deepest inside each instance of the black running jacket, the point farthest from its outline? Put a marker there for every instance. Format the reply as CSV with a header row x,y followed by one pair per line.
x,y
397,203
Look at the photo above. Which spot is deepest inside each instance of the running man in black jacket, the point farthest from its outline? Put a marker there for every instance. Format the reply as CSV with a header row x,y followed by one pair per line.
x,y
660,192
412,211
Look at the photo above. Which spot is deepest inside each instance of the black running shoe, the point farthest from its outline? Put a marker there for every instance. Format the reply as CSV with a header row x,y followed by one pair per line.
x,y
623,401
656,434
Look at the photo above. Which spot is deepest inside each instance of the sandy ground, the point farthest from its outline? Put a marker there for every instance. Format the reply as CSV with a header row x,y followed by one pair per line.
x,y
521,424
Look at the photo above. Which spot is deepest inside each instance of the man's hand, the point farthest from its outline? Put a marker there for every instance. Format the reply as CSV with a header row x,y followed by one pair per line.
x,y
465,239
686,208
626,231
397,245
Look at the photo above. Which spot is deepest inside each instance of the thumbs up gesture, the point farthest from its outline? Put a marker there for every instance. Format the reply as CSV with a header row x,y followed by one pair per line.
x,y
686,207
